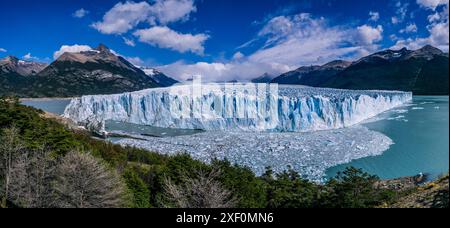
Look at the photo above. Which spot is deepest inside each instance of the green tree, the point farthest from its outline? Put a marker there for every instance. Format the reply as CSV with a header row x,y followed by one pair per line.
x,y
354,188
247,188
138,188
289,190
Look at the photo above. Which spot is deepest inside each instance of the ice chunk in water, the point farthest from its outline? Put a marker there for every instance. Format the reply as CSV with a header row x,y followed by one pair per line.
x,y
309,153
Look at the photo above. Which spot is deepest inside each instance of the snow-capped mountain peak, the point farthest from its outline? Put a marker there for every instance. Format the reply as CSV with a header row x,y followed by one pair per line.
x,y
12,64
150,71
158,76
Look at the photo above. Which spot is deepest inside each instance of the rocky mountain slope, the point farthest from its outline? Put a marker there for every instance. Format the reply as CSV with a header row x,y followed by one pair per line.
x,y
265,78
431,195
100,71
312,75
15,74
159,77
12,65
97,71
423,71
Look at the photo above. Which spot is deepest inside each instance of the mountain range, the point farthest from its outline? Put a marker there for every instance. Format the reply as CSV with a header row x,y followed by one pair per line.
x,y
424,72
97,71
159,77
100,71
265,78
312,75
12,65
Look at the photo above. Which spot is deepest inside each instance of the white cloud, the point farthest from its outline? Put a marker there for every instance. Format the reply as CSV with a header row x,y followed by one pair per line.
x,y
247,44
395,20
126,16
412,44
167,11
219,71
2,50
402,9
401,12
123,17
438,32
280,26
164,37
290,42
238,55
71,49
374,16
298,52
393,37
431,4
301,40
410,28
417,43
135,60
434,17
28,56
210,71
129,42
80,13
368,35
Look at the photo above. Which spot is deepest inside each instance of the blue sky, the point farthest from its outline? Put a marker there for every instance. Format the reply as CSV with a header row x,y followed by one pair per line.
x,y
221,39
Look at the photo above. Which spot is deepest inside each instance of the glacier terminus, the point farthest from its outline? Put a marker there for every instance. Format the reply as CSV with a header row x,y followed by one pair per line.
x,y
236,107
255,125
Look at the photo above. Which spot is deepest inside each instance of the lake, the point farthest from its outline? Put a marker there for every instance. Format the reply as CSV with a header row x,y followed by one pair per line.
x,y
55,106
419,130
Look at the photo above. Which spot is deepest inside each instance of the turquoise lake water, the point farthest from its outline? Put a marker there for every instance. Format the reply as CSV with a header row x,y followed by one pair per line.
x,y
420,132
55,106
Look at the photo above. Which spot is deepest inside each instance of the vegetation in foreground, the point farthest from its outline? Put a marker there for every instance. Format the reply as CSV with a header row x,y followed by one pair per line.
x,y
430,195
44,164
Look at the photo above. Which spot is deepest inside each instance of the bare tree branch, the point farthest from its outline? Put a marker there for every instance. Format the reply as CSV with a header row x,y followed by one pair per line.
x,y
84,182
11,147
32,175
201,192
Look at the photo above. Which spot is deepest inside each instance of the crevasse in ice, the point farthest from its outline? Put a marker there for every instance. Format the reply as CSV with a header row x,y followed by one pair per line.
x,y
249,107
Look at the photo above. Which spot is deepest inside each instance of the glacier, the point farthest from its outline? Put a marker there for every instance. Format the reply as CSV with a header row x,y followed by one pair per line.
x,y
253,125
236,107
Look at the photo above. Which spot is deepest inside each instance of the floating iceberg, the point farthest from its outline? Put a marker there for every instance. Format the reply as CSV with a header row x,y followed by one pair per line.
x,y
308,153
236,107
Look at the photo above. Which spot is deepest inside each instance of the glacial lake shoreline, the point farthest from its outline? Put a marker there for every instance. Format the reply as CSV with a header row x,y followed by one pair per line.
x,y
45,98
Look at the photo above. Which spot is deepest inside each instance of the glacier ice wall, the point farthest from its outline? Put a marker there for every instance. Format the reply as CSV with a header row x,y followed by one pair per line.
x,y
251,107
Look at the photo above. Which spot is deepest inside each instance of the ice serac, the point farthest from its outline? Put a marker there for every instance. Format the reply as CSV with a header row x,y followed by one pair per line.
x,y
250,107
